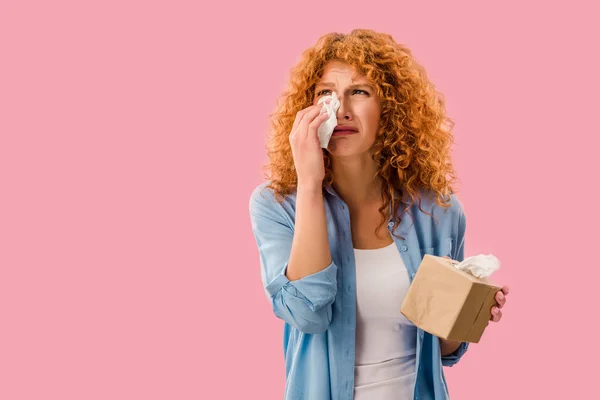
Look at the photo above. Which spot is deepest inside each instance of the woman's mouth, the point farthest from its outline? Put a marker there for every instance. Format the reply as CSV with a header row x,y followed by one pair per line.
x,y
341,130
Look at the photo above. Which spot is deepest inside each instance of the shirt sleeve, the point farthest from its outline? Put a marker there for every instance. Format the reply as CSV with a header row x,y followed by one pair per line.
x,y
306,303
451,359
461,227
459,255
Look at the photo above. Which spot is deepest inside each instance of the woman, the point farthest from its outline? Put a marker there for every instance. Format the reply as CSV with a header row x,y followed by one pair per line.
x,y
340,231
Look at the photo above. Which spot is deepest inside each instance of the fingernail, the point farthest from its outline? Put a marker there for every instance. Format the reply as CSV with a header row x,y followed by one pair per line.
x,y
500,296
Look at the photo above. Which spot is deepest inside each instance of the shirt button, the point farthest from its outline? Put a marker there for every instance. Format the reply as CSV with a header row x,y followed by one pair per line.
x,y
348,321
421,334
403,248
348,288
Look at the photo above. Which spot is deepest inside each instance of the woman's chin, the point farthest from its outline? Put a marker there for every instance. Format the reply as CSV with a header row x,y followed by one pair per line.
x,y
337,152
340,147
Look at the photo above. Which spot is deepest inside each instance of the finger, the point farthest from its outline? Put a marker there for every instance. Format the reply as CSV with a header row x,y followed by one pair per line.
x,y
314,106
300,114
313,127
505,290
310,117
496,314
500,299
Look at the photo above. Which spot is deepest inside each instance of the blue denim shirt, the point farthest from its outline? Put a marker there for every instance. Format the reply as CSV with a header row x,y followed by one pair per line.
x,y
319,310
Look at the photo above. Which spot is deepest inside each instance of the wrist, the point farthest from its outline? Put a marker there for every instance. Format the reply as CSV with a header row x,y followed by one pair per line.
x,y
448,347
311,186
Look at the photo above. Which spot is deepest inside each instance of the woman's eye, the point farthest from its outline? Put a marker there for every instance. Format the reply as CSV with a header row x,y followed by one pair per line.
x,y
322,92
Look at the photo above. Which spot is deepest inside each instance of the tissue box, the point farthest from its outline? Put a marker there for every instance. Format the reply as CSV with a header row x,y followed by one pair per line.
x,y
447,302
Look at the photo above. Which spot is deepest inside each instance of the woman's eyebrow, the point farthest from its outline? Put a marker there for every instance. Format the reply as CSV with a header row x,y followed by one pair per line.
x,y
329,84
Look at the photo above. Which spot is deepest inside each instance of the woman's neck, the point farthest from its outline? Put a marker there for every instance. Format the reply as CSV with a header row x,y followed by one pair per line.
x,y
355,180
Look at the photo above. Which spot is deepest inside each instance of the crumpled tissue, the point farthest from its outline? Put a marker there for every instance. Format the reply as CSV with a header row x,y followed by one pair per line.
x,y
326,128
480,266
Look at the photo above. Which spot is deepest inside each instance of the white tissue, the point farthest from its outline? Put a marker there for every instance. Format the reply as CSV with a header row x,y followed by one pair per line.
x,y
327,127
480,266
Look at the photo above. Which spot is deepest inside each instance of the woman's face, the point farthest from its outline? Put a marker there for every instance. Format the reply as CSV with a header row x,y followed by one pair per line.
x,y
360,108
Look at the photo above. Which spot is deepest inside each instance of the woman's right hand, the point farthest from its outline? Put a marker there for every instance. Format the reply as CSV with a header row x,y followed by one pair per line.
x,y
306,149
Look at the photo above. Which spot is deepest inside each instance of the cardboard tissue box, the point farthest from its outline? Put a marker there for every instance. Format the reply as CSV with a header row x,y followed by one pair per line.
x,y
452,300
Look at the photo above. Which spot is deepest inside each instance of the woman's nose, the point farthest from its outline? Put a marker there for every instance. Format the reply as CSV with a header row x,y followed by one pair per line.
x,y
344,110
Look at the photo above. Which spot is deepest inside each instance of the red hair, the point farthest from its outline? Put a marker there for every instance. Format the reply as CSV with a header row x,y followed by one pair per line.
x,y
413,145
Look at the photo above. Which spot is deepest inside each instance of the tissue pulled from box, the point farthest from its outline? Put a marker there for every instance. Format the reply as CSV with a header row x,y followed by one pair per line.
x,y
481,266
326,128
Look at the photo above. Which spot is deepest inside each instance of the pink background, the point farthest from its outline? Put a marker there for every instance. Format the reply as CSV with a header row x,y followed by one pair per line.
x,y
132,134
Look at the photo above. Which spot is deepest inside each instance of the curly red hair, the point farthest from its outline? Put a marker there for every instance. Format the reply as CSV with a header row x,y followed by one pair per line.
x,y
414,138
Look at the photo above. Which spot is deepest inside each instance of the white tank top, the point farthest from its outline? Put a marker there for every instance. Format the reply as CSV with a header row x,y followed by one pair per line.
x,y
385,340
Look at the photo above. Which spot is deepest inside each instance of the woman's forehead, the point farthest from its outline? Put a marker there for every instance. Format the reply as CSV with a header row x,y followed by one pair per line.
x,y
334,72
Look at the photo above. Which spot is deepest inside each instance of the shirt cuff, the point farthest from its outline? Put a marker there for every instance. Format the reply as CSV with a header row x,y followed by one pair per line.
x,y
315,289
453,358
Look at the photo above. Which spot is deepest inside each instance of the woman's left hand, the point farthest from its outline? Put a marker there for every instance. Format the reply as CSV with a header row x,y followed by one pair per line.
x,y
500,302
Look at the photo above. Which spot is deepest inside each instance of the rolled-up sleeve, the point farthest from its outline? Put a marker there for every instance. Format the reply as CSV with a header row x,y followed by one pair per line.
x,y
451,359
306,303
